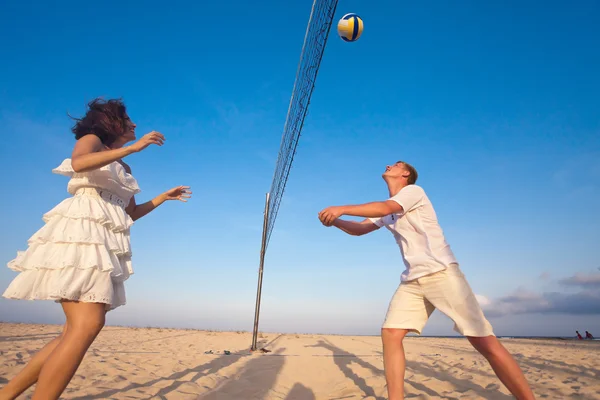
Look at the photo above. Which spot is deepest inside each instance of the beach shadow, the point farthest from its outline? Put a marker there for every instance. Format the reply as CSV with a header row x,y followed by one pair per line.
x,y
300,392
261,344
459,366
200,371
553,342
23,338
558,366
462,385
255,381
160,339
535,362
343,359
39,336
458,349
423,389
208,368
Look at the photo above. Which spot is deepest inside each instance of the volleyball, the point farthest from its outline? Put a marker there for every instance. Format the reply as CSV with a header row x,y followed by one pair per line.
x,y
350,27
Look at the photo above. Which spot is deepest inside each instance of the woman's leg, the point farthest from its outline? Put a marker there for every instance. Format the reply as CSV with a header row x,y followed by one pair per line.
x,y
84,322
29,375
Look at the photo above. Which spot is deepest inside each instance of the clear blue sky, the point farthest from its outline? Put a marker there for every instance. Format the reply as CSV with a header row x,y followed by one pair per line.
x,y
495,103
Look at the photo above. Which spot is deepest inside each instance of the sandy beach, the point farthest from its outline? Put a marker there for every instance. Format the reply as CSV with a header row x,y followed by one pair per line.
x,y
152,363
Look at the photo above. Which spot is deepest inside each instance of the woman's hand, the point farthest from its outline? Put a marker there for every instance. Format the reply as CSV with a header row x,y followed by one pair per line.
x,y
181,193
148,139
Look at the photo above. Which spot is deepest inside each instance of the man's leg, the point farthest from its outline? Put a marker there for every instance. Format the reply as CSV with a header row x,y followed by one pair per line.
x,y
408,311
394,362
450,292
504,365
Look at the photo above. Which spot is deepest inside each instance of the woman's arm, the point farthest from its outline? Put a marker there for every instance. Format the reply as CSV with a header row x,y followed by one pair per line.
x,y
136,211
88,153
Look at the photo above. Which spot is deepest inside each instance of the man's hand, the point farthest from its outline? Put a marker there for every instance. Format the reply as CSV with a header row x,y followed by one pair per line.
x,y
330,214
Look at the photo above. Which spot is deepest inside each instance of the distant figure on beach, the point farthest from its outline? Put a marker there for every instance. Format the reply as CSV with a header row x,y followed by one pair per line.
x,y
81,257
588,335
579,335
432,279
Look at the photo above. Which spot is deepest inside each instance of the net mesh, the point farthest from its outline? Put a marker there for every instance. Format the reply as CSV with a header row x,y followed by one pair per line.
x,y
315,40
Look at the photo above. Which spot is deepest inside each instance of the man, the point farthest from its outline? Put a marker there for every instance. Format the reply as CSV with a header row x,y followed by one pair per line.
x,y
588,335
432,279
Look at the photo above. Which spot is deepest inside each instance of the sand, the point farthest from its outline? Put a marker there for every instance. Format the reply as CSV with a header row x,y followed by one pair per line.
x,y
148,363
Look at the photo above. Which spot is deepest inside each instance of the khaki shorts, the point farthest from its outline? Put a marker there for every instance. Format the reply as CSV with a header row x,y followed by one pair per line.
x,y
448,291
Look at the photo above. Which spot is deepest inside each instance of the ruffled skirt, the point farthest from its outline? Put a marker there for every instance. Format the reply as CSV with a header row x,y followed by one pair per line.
x,y
82,253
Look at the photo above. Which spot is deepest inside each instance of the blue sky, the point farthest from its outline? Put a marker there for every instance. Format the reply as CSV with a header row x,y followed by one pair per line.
x,y
495,104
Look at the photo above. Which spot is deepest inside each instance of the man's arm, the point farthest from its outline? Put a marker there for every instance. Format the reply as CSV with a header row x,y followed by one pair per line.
x,y
355,228
375,209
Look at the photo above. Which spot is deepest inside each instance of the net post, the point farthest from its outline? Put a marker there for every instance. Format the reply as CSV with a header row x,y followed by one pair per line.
x,y
260,273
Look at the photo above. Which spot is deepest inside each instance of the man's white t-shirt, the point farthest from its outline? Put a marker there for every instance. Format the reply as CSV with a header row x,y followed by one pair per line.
x,y
418,234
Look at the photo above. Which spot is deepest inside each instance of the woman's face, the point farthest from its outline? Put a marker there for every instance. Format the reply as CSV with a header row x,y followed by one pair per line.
x,y
128,133
130,129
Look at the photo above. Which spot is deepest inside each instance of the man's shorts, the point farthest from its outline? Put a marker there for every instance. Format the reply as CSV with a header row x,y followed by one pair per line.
x,y
448,291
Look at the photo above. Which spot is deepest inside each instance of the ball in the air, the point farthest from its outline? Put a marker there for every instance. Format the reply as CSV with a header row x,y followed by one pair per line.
x,y
350,27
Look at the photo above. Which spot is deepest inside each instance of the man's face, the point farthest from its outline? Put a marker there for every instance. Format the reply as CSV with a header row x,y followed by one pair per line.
x,y
396,170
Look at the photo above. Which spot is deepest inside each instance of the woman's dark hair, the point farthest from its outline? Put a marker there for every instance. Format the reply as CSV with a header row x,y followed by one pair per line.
x,y
106,119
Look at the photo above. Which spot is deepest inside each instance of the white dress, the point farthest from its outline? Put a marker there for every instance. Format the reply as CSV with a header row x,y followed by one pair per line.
x,y
83,251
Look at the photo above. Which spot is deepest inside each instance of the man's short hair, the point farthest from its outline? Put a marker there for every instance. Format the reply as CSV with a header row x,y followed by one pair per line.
x,y
412,178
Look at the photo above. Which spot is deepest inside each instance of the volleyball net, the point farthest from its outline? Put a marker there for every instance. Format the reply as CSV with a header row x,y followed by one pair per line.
x,y
317,32
315,40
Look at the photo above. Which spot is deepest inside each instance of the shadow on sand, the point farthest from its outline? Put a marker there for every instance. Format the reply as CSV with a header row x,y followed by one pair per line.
x,y
344,359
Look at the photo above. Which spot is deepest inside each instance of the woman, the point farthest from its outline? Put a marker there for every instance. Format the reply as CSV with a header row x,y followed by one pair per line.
x,y
81,256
